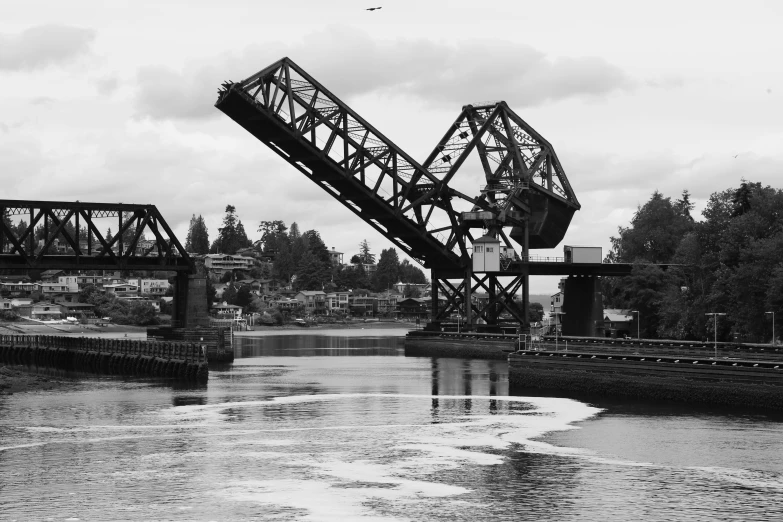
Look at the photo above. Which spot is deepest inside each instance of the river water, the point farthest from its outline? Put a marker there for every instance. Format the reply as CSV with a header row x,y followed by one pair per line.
x,y
341,426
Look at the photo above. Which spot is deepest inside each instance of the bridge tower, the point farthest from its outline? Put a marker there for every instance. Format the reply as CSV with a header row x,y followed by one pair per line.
x,y
525,201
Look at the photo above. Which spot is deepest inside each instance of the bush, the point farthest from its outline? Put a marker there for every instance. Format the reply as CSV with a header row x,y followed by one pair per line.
x,y
9,316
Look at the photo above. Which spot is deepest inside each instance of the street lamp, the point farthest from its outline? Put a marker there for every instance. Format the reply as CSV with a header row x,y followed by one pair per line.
x,y
638,320
556,323
715,327
773,326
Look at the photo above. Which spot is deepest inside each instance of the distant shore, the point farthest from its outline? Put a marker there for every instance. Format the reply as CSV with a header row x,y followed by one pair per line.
x,y
112,331
375,325
119,331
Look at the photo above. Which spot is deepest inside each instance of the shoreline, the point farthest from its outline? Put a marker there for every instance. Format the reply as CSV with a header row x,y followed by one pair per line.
x,y
288,329
113,331
20,379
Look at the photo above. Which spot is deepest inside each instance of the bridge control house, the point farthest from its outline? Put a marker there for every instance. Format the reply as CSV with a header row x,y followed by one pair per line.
x,y
486,254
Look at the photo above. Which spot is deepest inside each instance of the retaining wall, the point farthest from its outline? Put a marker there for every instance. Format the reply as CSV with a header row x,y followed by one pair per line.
x,y
748,383
217,341
186,361
422,343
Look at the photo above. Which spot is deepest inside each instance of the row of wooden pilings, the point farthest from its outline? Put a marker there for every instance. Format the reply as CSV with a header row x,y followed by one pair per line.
x,y
185,361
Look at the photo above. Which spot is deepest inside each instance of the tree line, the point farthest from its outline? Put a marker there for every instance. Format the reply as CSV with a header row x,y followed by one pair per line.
x,y
301,259
730,262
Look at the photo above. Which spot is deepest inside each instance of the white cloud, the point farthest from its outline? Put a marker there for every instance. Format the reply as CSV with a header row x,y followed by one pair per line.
x,y
350,62
42,46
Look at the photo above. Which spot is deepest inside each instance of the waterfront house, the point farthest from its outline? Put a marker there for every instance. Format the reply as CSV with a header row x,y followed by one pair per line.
x,y
337,302
78,310
415,308
226,311
314,301
363,305
41,311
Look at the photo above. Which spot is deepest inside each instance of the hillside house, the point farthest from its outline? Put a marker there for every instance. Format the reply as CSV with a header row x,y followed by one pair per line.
x,y
314,301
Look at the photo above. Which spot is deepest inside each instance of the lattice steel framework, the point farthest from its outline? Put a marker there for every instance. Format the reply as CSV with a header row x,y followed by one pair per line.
x,y
65,221
412,204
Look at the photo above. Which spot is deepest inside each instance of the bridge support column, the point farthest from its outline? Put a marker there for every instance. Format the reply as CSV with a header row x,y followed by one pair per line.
x,y
190,301
583,307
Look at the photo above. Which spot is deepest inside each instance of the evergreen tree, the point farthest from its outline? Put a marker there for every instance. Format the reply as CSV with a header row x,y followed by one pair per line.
x,y
283,265
244,242
6,243
198,237
388,271
230,294
293,233
201,237
272,233
130,232
244,296
228,240
311,275
364,253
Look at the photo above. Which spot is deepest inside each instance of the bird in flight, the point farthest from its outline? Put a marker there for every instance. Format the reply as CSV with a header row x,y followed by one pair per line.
x,y
373,8
735,156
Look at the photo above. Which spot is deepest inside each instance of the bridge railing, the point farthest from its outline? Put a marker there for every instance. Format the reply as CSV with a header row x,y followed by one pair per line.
x,y
162,349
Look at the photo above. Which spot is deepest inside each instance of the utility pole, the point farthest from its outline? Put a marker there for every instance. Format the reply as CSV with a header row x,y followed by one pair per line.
x,y
638,321
715,327
773,326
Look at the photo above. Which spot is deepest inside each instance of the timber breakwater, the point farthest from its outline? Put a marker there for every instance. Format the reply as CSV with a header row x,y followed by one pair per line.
x,y
731,374
177,360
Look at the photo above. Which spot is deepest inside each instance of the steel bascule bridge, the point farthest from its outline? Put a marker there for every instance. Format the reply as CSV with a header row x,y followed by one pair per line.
x,y
524,198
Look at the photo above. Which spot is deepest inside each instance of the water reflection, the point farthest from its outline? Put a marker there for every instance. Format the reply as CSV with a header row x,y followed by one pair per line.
x,y
316,345
468,378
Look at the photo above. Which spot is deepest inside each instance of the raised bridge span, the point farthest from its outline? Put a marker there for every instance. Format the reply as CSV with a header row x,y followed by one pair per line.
x,y
525,199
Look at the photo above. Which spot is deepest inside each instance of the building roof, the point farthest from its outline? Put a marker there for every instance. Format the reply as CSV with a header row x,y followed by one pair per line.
x,y
618,318
486,239
419,300
224,256
311,292
224,306
120,284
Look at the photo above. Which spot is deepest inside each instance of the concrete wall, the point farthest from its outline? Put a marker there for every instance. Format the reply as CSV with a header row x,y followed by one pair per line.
x,y
583,307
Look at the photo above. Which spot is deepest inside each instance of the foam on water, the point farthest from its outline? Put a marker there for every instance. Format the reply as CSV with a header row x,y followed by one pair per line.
x,y
406,470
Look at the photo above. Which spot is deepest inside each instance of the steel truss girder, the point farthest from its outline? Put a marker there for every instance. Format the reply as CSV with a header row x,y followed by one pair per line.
x,y
407,202
501,298
520,153
22,252
297,108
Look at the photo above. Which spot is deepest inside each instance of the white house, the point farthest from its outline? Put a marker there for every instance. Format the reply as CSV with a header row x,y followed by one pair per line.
x,y
486,254
227,311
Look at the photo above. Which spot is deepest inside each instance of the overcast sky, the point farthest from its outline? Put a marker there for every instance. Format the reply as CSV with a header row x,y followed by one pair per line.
x,y
116,104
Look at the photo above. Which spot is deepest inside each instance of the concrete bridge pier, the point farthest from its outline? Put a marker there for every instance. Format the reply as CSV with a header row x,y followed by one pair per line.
x,y
190,301
583,307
